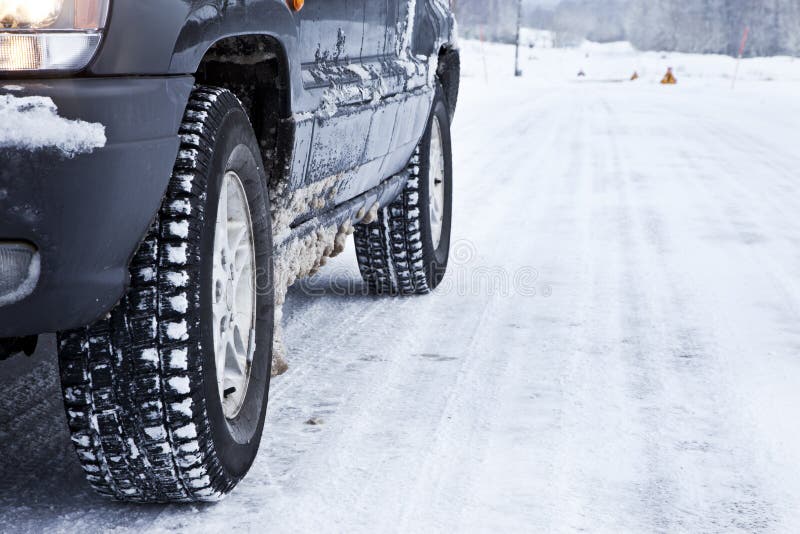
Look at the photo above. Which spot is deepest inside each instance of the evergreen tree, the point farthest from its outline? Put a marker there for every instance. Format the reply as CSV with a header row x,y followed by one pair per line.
x,y
706,26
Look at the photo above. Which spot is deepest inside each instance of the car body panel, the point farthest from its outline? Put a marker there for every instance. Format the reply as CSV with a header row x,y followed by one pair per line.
x,y
360,90
88,213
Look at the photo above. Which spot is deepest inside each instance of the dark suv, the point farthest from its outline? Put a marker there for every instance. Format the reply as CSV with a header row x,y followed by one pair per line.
x,y
169,167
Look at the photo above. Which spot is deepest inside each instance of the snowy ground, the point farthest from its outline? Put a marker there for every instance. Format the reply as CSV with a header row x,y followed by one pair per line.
x,y
617,347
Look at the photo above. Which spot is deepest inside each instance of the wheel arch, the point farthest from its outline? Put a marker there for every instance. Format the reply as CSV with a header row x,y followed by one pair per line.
x,y
153,37
212,22
448,71
255,67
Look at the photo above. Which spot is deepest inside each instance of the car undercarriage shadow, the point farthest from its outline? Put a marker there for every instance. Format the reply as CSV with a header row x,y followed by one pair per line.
x,y
338,281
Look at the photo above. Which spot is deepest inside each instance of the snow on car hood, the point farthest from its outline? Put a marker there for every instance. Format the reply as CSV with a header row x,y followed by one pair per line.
x,y
33,123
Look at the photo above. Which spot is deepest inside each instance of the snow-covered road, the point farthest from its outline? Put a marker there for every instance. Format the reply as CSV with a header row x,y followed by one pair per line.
x,y
616,349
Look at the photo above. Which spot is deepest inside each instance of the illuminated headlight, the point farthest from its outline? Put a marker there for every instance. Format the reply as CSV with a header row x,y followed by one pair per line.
x,y
50,35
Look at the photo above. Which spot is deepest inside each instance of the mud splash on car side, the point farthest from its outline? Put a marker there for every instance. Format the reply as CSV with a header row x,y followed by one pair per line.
x,y
303,256
298,258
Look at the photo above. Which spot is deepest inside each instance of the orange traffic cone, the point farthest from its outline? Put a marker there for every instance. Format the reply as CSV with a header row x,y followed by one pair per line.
x,y
669,78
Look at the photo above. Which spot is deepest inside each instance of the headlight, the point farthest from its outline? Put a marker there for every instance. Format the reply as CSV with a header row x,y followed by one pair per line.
x,y
15,13
50,35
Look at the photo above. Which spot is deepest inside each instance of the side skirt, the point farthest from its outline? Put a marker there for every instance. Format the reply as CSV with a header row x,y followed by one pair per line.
x,y
352,211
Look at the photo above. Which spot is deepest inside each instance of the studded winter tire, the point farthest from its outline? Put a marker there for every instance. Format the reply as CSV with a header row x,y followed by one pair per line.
x,y
406,250
166,395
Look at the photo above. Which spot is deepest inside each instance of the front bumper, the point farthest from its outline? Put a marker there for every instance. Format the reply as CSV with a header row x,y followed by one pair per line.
x,y
87,213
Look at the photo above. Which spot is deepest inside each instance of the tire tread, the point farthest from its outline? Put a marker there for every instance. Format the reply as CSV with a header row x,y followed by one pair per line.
x,y
131,381
390,249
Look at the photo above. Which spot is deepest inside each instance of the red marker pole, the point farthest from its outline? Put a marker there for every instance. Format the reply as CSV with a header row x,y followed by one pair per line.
x,y
483,54
741,53
517,71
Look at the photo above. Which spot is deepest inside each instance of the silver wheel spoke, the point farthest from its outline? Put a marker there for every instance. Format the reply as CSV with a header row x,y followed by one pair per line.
x,y
234,294
238,237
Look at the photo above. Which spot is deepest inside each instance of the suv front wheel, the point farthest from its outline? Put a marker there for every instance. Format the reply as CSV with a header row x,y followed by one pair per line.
x,y
166,396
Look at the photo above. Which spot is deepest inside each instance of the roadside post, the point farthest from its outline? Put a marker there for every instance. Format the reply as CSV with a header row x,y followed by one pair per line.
x,y
517,71
483,56
741,53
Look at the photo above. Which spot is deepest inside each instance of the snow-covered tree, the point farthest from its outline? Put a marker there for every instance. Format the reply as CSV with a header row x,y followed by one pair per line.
x,y
496,19
706,26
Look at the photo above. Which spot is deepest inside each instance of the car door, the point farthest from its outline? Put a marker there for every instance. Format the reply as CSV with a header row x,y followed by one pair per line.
x,y
385,43
329,117
394,114
331,31
377,19
359,118
399,76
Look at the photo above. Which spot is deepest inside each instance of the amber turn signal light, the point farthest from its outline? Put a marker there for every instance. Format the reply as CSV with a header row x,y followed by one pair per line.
x,y
296,5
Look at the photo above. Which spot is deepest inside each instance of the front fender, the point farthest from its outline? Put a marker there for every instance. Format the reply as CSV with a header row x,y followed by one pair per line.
x,y
158,37
213,20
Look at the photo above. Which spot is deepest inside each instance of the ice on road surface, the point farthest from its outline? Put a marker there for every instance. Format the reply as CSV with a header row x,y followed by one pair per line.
x,y
615,349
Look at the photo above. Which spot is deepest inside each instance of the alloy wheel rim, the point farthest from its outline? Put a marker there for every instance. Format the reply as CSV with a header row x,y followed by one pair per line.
x,y
436,183
234,295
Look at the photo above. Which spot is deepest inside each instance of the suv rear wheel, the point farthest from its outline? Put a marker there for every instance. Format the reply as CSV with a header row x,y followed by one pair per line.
x,y
406,250
166,396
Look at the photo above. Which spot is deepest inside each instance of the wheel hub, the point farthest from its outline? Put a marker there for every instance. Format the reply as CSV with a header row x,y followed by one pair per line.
x,y
234,290
436,183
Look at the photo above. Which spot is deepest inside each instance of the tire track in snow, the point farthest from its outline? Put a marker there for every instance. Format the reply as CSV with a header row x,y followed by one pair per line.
x,y
688,377
755,346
